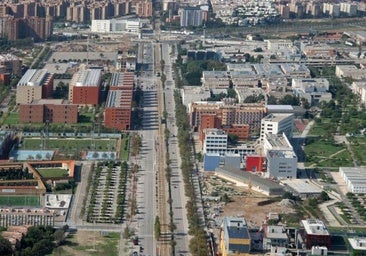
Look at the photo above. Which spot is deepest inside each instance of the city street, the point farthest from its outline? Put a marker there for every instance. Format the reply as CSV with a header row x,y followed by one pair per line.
x,y
144,220
177,184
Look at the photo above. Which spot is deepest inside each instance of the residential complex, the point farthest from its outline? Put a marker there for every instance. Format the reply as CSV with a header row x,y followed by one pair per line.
x,y
35,84
227,114
48,111
84,87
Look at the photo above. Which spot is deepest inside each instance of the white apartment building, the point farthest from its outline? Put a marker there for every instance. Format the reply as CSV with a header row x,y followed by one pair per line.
x,y
279,44
215,141
281,158
277,123
116,26
355,178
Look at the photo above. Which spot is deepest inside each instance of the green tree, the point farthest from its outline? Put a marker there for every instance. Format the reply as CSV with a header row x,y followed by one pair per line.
x,y
5,247
157,228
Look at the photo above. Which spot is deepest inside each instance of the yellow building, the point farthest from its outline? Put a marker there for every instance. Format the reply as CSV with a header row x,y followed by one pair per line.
x,y
234,237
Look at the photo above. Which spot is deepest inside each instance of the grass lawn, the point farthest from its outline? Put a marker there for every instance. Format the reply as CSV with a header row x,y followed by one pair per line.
x,y
12,118
89,243
65,145
19,201
341,159
320,150
319,128
124,150
55,172
358,145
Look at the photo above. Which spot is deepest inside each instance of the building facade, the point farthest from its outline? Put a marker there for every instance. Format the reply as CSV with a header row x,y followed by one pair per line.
x,y
281,158
234,237
35,84
315,233
277,123
84,87
48,111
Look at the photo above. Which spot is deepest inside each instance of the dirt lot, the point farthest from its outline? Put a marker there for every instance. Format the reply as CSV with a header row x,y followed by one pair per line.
x,y
257,214
85,243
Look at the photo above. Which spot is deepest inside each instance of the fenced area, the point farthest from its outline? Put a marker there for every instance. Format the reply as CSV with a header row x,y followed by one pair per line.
x,y
19,201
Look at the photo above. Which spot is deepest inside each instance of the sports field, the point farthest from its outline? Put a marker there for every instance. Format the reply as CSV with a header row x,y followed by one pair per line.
x,y
19,201
67,145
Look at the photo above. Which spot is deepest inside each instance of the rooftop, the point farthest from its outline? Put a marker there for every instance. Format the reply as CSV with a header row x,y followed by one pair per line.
x,y
33,77
358,243
117,99
277,117
302,186
236,227
315,227
90,77
278,141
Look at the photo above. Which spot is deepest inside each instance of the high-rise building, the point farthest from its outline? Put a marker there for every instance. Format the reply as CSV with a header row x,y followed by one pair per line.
x,y
191,16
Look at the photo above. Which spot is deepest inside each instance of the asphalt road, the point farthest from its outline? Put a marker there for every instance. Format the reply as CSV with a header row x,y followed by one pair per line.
x,y
146,201
177,184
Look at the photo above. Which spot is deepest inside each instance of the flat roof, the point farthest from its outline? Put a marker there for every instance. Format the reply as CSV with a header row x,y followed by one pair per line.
x,y
315,227
89,77
354,174
280,107
302,186
118,98
236,227
277,117
33,77
278,140
49,101
358,243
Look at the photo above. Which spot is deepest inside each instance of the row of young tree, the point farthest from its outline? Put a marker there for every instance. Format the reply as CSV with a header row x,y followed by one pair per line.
x,y
198,243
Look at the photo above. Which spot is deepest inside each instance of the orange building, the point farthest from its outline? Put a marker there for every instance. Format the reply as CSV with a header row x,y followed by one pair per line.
x,y
240,119
48,110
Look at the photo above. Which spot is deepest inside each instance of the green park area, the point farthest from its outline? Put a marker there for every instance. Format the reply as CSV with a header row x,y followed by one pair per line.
x,y
53,172
324,153
358,145
11,118
19,201
89,243
124,148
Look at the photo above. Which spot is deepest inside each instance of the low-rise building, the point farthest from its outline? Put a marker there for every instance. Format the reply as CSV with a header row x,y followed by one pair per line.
x,y
275,238
215,141
35,84
314,90
48,111
315,233
358,245
351,71
281,158
355,178
234,237
115,26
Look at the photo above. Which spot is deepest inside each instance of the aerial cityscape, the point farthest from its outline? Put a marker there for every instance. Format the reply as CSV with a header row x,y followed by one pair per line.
x,y
182,127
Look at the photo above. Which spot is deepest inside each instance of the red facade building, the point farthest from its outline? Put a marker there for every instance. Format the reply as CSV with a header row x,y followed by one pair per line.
x,y
48,110
84,87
